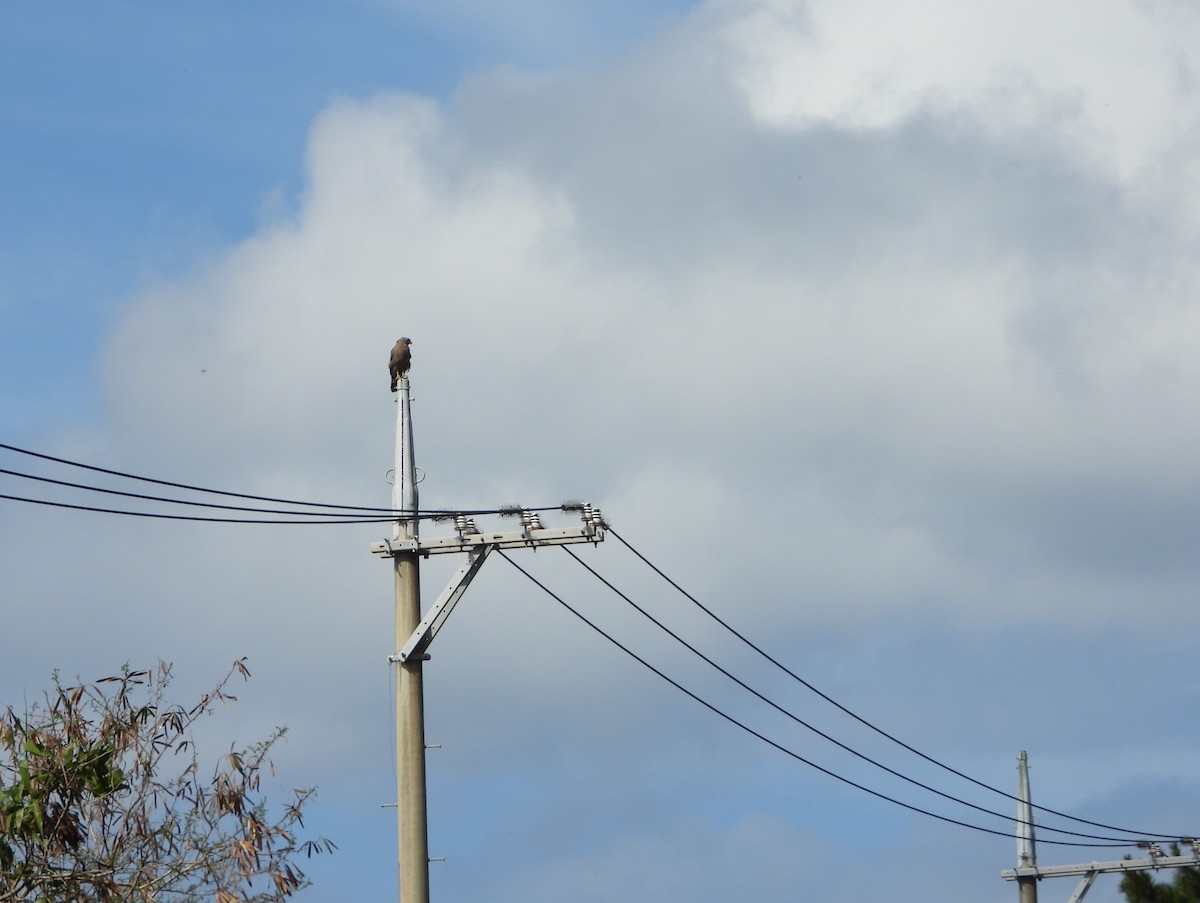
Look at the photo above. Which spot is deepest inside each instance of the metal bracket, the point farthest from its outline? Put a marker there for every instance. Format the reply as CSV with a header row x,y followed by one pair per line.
x,y
1085,884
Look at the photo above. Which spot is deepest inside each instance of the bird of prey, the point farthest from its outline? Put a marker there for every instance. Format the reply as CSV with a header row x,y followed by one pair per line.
x,y
400,360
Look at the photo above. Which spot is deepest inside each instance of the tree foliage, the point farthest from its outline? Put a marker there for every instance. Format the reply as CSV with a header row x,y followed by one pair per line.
x,y
1184,887
102,798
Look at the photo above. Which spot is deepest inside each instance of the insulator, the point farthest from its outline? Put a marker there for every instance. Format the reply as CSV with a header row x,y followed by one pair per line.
x,y
460,523
597,517
526,518
535,521
587,514
471,528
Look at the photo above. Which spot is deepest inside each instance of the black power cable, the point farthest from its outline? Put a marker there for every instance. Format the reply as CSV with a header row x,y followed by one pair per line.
x,y
783,749
824,736
385,514
333,514
130,476
866,723
189,517
157,498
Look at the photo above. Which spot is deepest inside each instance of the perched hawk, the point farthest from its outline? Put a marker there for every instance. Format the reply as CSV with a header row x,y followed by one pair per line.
x,y
400,360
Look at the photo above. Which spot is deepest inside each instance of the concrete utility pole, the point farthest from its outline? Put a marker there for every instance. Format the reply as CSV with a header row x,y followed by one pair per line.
x,y
414,633
1028,872
1027,890
411,813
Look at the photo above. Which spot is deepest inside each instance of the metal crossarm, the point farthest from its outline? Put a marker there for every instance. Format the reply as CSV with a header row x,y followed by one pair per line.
x,y
1087,873
1120,865
513,539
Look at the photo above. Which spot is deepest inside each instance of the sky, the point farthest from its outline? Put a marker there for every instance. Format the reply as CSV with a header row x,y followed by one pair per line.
x,y
873,327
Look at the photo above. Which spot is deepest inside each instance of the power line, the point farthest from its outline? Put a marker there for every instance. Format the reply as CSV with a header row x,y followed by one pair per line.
x,y
795,718
332,518
865,722
381,514
130,476
792,754
187,517
355,514
331,515
173,501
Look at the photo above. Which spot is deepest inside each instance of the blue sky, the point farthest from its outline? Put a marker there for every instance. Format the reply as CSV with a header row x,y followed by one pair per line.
x,y
143,137
875,327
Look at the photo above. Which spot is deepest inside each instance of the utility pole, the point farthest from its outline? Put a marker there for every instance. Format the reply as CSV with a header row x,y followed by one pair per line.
x,y
1027,890
414,633
1028,872
411,811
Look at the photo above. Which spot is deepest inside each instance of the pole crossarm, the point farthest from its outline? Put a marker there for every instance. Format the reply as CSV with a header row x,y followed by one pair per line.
x,y
1121,865
513,539
477,546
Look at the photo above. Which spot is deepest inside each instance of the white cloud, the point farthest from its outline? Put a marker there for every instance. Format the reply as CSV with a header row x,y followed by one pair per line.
x,y
913,345
1116,78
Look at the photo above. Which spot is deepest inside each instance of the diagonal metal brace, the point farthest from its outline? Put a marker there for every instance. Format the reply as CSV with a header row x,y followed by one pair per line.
x,y
1084,884
440,610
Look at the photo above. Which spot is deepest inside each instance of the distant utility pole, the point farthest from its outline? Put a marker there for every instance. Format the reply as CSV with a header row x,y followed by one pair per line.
x,y
1027,890
414,633
1028,873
